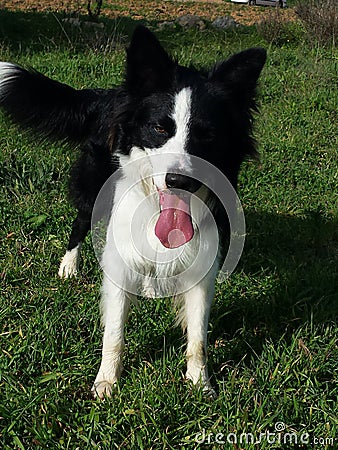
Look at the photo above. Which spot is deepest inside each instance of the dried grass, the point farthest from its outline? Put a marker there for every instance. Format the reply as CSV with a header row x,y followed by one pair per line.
x,y
320,19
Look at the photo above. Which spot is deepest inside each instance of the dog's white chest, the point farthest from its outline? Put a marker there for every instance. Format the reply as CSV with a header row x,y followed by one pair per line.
x,y
133,254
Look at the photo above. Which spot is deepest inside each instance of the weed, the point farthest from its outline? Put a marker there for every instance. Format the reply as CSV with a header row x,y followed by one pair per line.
x,y
320,18
277,30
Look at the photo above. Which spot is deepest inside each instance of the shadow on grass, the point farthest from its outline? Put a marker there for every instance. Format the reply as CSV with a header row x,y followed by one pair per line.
x,y
31,32
287,278
23,32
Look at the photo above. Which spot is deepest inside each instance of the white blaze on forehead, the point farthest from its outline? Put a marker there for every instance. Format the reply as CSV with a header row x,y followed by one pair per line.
x,y
176,145
181,114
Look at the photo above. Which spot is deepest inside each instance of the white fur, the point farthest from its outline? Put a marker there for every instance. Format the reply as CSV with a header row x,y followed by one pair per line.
x,y
143,264
70,263
197,304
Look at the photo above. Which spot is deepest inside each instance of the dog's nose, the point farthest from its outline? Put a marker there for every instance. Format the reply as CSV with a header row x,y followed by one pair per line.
x,y
179,181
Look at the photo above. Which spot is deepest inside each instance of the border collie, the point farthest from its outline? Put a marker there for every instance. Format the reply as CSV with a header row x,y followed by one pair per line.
x,y
148,130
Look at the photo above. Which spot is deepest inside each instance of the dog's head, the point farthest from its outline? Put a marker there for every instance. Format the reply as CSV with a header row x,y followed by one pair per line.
x,y
176,112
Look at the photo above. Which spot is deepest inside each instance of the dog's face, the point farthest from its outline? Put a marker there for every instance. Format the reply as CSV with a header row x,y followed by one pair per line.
x,y
177,112
185,111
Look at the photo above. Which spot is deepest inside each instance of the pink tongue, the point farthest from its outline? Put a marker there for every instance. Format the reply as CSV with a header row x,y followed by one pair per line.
x,y
174,226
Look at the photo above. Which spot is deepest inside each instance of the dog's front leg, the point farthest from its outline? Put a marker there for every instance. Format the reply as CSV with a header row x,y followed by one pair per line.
x,y
115,306
197,302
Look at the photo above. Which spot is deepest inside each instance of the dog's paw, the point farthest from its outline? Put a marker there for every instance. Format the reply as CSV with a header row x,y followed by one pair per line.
x,y
103,389
202,382
209,392
69,264
67,271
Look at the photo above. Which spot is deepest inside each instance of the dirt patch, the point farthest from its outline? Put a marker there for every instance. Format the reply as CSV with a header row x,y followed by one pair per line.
x,y
152,9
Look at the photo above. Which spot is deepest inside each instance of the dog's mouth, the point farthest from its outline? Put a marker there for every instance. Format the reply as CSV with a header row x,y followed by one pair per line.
x,y
174,225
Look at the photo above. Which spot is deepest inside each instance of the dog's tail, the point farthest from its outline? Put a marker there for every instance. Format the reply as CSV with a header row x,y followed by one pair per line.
x,y
47,107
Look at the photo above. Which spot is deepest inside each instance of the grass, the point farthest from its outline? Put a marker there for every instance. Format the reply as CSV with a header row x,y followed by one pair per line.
x,y
273,351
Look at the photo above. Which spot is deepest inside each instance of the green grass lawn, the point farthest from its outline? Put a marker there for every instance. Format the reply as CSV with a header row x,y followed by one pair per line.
x,y
273,354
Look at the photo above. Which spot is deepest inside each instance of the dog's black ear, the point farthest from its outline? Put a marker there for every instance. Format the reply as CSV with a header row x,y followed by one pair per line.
x,y
241,71
149,67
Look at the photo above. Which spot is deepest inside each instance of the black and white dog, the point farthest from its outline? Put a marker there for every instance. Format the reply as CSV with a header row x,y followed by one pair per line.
x,y
149,130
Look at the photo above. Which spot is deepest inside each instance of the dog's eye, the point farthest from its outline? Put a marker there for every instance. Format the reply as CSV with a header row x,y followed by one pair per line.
x,y
160,129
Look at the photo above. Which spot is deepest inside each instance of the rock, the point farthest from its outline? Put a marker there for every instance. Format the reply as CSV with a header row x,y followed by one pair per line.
x,y
191,21
93,25
225,22
166,24
72,21
75,22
